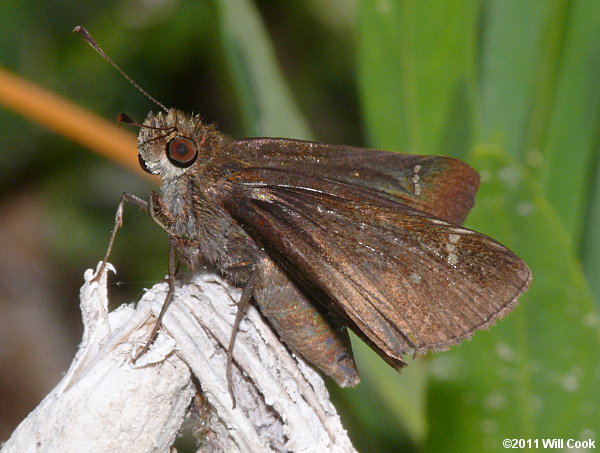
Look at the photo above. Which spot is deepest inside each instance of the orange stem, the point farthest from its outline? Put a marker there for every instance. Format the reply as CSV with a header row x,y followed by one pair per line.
x,y
69,120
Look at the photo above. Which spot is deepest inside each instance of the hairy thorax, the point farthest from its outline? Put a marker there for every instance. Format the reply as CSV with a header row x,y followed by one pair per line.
x,y
208,233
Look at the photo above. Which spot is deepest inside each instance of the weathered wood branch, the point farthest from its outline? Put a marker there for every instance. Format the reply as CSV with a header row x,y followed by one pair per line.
x,y
105,402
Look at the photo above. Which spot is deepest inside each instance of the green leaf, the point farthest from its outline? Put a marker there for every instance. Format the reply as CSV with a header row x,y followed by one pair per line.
x,y
511,66
570,146
591,246
266,102
535,374
402,394
415,66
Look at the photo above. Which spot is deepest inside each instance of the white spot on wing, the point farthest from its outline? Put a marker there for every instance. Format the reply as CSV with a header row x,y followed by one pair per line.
x,y
415,278
454,238
263,196
415,179
451,248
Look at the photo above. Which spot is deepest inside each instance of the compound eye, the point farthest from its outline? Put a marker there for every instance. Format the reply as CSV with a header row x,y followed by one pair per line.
x,y
182,151
143,164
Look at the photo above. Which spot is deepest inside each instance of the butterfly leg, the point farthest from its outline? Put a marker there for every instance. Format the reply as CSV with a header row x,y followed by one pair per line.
x,y
170,293
125,198
241,310
160,214
162,217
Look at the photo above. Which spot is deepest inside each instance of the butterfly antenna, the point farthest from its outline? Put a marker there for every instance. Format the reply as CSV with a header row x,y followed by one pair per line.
x,y
88,38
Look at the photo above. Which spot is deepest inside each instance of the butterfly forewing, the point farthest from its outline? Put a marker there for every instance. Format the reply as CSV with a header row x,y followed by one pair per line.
x,y
441,186
402,279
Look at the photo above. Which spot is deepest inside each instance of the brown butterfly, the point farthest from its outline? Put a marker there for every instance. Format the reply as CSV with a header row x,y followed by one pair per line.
x,y
326,237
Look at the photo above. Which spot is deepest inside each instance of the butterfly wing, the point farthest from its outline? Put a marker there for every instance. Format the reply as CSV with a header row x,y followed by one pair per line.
x,y
441,186
401,279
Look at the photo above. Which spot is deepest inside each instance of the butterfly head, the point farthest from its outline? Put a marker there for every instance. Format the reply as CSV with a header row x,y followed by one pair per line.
x,y
169,142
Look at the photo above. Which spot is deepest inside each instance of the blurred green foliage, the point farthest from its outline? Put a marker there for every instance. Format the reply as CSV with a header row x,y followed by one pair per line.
x,y
511,86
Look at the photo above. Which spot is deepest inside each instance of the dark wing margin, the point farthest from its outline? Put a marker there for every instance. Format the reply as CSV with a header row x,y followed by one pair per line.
x,y
403,281
441,186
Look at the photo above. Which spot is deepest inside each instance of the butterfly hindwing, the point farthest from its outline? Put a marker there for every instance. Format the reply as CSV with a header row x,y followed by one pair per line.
x,y
401,279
